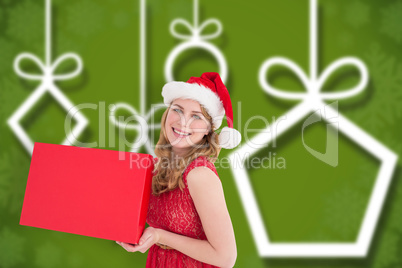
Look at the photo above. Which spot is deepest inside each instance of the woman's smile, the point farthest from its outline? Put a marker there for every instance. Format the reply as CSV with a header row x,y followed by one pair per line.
x,y
180,133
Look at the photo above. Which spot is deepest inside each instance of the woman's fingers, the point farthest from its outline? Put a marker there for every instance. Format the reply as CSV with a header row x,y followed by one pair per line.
x,y
145,236
148,238
128,247
146,244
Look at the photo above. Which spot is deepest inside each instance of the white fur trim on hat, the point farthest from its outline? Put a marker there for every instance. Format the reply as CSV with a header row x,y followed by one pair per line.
x,y
229,138
205,96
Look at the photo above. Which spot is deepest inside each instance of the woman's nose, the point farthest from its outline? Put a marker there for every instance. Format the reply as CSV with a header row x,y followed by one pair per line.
x,y
186,120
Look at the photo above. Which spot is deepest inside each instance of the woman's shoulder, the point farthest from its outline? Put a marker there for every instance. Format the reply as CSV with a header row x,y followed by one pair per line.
x,y
201,175
200,161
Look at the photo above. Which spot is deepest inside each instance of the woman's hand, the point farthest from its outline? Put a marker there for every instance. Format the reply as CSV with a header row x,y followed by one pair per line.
x,y
149,237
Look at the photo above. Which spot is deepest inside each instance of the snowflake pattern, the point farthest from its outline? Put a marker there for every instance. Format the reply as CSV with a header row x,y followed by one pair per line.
x,y
386,250
392,137
344,210
13,181
357,14
7,2
8,52
179,8
11,95
65,43
368,172
345,40
11,248
391,21
5,173
396,208
2,11
384,92
324,234
25,23
331,9
84,18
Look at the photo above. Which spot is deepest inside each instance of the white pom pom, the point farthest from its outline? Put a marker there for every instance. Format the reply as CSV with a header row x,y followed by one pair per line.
x,y
229,138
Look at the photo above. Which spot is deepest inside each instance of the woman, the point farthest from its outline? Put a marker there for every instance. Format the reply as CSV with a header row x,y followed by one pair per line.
x,y
189,222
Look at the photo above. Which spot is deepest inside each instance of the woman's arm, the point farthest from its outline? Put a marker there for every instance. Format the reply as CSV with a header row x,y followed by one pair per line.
x,y
220,247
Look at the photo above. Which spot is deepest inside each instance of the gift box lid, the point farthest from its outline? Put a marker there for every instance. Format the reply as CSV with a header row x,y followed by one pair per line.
x,y
87,191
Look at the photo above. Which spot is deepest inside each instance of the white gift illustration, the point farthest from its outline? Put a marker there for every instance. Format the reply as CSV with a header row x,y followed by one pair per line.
x,y
145,119
313,101
47,85
196,39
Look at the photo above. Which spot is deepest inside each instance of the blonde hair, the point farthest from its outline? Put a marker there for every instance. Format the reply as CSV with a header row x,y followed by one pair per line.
x,y
169,170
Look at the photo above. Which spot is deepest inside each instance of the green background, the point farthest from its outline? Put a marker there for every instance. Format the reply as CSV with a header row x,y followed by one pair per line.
x,y
307,201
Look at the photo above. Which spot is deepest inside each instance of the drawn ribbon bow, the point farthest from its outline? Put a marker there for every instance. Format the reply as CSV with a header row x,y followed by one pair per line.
x,y
313,84
196,32
48,70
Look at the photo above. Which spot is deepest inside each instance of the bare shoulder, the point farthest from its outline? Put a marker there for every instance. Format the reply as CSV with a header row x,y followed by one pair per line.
x,y
206,190
202,178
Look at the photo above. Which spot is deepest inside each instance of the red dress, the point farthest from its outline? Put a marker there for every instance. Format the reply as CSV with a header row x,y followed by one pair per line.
x,y
175,212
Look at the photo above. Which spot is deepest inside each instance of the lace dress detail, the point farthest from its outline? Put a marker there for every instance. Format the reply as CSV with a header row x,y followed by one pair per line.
x,y
175,212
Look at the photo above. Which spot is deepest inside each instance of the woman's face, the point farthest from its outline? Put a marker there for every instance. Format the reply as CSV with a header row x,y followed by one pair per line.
x,y
185,125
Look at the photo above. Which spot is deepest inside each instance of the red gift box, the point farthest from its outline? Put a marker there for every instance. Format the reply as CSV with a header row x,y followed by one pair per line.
x,y
86,191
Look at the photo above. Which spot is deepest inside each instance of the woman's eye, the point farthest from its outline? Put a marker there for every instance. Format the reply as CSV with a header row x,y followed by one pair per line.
x,y
177,110
197,117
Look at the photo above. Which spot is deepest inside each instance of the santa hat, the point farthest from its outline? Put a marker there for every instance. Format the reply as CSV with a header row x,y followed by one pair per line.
x,y
212,94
